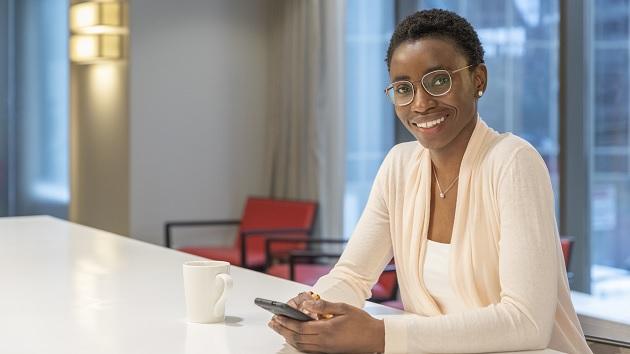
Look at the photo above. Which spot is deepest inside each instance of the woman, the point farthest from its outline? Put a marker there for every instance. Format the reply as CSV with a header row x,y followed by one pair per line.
x,y
467,214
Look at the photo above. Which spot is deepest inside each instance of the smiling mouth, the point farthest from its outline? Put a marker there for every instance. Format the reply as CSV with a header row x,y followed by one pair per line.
x,y
429,124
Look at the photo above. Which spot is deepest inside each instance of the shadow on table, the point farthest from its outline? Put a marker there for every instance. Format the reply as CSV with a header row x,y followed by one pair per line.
x,y
233,321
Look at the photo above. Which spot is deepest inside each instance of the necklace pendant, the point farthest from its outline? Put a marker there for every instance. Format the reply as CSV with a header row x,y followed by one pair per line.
x,y
442,195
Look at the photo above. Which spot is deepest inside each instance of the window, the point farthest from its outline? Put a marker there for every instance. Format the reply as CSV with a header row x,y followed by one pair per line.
x,y
369,116
610,149
34,128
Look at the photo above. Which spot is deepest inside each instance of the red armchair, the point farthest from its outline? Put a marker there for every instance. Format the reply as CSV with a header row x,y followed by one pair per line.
x,y
261,218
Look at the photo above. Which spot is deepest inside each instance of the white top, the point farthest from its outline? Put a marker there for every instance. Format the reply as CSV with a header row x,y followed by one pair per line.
x,y
437,280
69,289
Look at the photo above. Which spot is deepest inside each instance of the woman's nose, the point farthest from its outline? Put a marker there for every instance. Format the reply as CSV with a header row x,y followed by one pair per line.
x,y
422,101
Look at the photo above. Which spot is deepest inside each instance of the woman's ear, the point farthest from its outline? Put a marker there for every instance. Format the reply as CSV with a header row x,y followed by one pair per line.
x,y
480,79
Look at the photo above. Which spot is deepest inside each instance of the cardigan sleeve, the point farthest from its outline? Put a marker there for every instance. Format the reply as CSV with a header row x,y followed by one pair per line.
x,y
368,251
528,272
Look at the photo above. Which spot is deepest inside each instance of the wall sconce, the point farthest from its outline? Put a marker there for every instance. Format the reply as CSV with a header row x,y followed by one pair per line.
x,y
99,31
91,48
98,18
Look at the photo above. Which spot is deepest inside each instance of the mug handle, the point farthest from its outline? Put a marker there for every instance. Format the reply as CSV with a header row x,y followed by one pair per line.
x,y
226,279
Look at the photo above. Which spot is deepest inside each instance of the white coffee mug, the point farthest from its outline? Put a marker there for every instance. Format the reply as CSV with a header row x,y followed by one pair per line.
x,y
207,285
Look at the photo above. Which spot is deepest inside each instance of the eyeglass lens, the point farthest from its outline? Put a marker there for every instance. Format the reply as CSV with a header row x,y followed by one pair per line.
x,y
437,83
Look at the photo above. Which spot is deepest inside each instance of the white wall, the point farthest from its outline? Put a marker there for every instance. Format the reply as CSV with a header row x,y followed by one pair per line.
x,y
197,109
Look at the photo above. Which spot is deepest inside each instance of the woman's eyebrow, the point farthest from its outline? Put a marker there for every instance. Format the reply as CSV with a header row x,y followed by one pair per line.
x,y
435,67
428,70
401,77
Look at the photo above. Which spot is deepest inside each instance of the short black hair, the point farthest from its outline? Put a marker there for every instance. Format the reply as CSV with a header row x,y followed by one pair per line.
x,y
438,23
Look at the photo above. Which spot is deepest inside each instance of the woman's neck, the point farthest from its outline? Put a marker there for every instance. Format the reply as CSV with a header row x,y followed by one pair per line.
x,y
448,159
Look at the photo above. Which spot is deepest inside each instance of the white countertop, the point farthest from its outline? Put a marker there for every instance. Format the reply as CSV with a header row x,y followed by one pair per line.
x,y
68,288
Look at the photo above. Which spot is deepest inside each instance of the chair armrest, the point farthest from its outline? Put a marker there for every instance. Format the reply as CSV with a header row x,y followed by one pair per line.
x,y
267,233
302,254
271,240
295,255
172,224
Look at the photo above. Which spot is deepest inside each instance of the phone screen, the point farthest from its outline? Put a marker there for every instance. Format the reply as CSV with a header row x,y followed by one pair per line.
x,y
280,308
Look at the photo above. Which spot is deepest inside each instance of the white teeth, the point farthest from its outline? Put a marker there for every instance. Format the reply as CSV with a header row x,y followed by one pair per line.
x,y
430,124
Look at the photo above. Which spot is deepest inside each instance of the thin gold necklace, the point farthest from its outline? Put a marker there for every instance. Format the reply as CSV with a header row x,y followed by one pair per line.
x,y
443,193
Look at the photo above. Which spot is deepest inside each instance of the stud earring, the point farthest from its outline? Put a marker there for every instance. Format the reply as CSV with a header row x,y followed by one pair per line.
x,y
479,93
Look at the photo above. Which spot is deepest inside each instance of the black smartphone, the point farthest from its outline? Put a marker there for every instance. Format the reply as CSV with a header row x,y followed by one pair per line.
x,y
280,308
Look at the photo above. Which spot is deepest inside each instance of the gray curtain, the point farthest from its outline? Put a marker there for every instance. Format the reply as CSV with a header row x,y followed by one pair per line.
x,y
305,150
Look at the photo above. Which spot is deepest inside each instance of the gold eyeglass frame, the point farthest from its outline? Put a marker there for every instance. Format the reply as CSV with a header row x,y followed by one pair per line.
x,y
412,83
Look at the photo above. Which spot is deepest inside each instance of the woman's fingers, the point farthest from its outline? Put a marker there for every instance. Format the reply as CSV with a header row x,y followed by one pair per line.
x,y
303,297
292,303
297,301
325,308
293,332
300,327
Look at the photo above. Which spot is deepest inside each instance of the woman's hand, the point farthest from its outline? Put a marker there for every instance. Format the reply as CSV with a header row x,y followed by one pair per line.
x,y
298,303
350,330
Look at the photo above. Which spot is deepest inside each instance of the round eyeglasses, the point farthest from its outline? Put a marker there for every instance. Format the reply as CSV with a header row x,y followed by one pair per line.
x,y
435,83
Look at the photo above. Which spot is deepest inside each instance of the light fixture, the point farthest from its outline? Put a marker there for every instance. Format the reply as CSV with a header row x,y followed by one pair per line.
x,y
99,31
98,18
91,48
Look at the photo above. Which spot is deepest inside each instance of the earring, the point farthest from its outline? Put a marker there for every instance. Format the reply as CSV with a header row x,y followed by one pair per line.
x,y
479,93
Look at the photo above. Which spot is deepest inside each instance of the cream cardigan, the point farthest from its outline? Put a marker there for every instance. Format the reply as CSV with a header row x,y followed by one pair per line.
x,y
506,259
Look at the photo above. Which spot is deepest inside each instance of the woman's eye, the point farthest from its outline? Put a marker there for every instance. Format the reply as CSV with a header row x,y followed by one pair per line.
x,y
403,90
441,81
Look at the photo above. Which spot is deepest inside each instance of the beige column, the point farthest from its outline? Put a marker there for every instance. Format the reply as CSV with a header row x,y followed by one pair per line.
x,y
99,145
